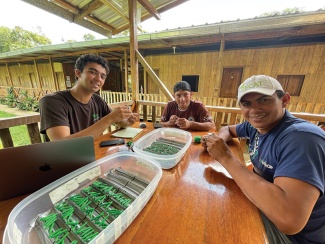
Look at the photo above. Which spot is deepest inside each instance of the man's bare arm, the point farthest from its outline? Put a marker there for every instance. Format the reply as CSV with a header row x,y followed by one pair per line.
x,y
95,130
287,202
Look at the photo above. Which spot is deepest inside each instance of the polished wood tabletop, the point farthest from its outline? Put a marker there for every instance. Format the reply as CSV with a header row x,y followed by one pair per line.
x,y
195,202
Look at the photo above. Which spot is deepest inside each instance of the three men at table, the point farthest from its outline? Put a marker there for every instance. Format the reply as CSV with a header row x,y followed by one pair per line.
x,y
288,155
185,113
80,111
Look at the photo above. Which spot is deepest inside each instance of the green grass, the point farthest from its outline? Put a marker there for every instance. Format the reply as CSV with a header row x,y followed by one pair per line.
x,y
19,133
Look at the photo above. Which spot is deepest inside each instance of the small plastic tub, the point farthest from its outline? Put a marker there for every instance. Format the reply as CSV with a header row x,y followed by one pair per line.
x,y
182,139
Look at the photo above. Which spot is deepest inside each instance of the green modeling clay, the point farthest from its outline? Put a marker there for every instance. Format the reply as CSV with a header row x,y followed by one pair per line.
x,y
197,139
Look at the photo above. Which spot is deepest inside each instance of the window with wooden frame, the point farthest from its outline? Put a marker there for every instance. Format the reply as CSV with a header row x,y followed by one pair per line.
x,y
291,83
193,80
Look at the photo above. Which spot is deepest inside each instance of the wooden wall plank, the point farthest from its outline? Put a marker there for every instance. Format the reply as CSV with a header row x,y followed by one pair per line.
x,y
308,60
308,56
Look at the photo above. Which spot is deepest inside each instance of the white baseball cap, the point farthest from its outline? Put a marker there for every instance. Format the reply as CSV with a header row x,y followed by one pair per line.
x,y
260,84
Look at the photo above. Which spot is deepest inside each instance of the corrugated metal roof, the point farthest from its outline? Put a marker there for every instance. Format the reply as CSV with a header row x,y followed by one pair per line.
x,y
281,30
107,17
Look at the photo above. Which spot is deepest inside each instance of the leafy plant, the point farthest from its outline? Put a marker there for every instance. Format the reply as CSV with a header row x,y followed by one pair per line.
x,y
11,99
23,101
26,102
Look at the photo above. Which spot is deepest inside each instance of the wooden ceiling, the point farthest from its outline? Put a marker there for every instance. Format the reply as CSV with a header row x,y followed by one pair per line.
x,y
106,17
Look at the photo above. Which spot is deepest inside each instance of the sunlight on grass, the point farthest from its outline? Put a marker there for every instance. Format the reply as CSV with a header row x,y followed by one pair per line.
x,y
19,133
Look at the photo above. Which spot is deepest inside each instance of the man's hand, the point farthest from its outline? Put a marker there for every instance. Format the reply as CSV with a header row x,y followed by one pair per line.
x,y
204,141
121,113
183,123
217,147
134,117
173,119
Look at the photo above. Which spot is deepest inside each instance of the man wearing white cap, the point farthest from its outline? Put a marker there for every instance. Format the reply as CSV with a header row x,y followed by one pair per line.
x,y
288,155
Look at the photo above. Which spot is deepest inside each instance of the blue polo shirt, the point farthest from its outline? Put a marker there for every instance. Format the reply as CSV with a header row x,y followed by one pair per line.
x,y
294,148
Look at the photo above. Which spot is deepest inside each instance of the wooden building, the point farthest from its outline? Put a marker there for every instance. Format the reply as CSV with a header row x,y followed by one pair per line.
x,y
213,58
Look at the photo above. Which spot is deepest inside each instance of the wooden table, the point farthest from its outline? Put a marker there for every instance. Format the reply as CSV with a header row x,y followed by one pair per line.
x,y
193,203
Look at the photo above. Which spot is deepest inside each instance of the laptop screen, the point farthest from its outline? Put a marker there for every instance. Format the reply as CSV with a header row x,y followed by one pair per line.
x,y
28,168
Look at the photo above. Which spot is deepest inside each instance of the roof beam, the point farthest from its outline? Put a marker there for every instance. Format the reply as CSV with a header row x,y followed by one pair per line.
x,y
115,9
90,8
164,8
153,75
66,14
66,5
150,8
100,23
148,15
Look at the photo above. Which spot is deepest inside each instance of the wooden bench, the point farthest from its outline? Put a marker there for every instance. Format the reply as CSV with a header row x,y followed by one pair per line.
x,y
31,121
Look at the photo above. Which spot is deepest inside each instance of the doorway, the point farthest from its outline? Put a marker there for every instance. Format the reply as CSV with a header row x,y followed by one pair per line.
x,y
231,79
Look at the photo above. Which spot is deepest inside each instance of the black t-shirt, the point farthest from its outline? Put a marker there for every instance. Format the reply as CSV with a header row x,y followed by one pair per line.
x,y
62,109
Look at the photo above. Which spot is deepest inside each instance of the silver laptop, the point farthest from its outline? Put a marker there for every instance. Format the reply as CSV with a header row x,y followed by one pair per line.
x,y
28,168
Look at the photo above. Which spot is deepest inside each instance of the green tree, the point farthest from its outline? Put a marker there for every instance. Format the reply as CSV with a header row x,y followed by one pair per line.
x,y
88,37
4,39
18,38
70,41
294,10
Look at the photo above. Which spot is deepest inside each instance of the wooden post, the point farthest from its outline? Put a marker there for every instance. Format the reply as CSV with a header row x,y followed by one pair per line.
x,y
6,138
34,133
153,114
219,65
133,48
37,74
40,90
126,68
56,85
9,74
145,81
154,76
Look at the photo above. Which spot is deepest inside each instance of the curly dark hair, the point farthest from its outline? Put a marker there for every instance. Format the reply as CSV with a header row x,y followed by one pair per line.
x,y
91,58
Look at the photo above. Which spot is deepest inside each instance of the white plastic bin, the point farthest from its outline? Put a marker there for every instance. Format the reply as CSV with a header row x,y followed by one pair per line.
x,y
19,229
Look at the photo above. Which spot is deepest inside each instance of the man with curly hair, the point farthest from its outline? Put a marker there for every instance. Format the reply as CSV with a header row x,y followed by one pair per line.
x,y
80,111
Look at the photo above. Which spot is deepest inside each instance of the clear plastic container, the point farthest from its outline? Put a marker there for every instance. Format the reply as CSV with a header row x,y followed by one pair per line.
x,y
170,134
20,228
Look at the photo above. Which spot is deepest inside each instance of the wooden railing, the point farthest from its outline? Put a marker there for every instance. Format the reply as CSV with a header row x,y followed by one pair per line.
x,y
221,115
31,121
294,105
35,93
151,111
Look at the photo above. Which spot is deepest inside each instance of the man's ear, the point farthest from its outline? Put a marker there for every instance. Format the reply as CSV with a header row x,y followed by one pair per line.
x,y
285,100
77,72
